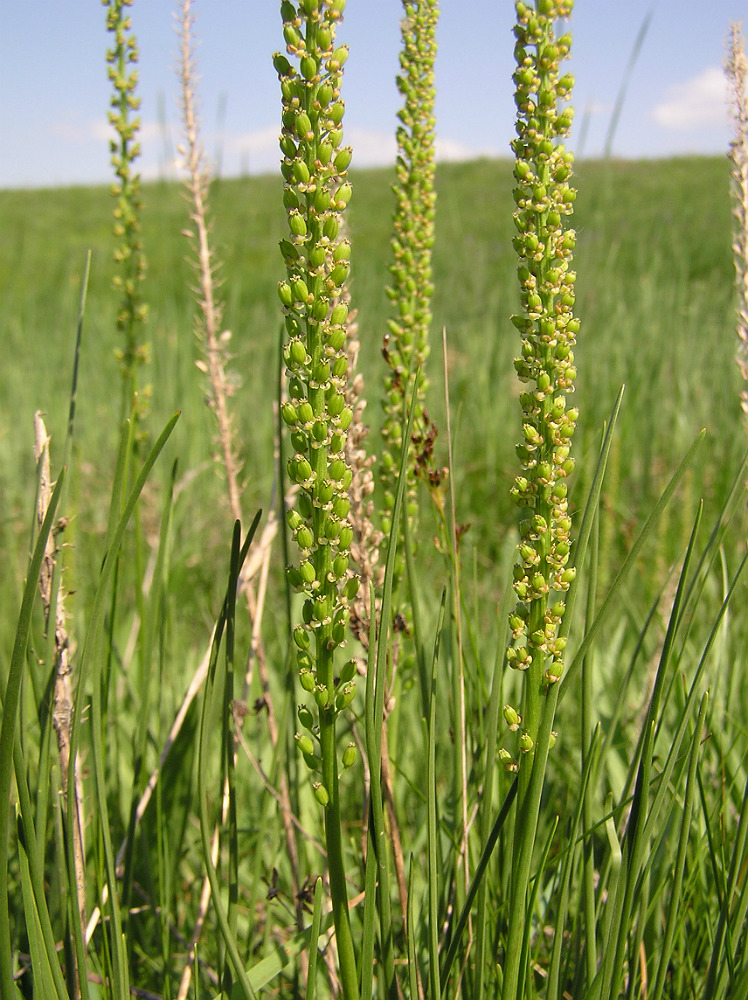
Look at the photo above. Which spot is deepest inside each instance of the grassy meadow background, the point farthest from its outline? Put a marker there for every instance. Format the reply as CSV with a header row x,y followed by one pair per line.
x,y
655,296
654,293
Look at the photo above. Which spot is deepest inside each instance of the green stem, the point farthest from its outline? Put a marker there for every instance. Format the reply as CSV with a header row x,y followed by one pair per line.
x,y
333,838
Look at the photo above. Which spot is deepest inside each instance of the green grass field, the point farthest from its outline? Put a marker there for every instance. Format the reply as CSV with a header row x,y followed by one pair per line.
x,y
655,296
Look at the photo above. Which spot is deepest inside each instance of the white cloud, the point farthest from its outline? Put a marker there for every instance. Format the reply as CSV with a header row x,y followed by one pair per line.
x,y
697,102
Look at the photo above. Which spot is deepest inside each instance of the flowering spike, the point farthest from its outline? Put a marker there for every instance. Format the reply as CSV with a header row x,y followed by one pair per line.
x,y
544,198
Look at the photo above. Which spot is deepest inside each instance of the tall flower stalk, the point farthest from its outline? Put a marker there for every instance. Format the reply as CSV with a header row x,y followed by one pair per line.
x,y
542,573
316,255
125,149
407,344
736,70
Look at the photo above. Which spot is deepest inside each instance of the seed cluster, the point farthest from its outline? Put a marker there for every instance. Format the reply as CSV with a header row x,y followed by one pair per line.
x,y
407,345
316,255
125,149
548,329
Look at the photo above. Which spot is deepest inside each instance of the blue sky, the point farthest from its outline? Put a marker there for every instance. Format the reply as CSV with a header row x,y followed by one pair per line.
x,y
55,90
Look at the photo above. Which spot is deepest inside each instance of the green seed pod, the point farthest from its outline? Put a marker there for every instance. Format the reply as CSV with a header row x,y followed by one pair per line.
x,y
337,470
296,223
340,566
288,148
325,91
304,126
336,112
307,680
306,413
306,568
507,761
320,793
331,227
345,697
512,718
348,672
301,638
343,195
305,718
349,755
291,36
346,416
339,56
312,761
345,538
339,314
305,539
308,67
336,404
340,507
281,65
304,743
336,339
289,414
301,175
285,294
525,742
343,159
339,631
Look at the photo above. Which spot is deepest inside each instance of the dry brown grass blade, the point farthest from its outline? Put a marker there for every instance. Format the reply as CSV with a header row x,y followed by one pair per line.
x,y
62,711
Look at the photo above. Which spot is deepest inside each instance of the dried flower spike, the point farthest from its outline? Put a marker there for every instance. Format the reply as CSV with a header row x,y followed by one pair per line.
x,y
736,70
